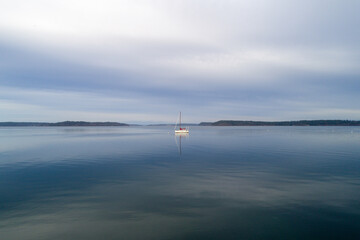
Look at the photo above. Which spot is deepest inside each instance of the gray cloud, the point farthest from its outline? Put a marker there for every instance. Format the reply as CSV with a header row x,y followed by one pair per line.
x,y
238,59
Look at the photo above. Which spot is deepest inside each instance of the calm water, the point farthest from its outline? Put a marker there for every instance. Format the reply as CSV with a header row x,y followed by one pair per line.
x,y
133,183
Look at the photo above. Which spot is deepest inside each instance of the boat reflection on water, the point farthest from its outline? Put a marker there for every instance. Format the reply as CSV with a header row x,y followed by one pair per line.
x,y
178,137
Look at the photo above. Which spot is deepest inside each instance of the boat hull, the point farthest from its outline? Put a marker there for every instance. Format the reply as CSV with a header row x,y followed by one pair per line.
x,y
182,131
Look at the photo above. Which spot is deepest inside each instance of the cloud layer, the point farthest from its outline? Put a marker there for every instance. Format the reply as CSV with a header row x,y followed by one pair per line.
x,y
126,60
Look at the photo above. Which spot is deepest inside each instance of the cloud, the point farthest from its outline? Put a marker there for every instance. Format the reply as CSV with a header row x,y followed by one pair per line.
x,y
191,55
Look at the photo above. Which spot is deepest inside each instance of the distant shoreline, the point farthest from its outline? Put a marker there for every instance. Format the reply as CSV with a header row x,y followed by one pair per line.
x,y
63,124
283,123
218,123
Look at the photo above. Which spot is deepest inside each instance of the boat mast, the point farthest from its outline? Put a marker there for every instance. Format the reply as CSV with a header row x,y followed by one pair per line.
x,y
180,121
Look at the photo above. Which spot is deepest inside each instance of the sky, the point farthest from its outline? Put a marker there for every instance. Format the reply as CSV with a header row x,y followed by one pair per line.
x,y
143,61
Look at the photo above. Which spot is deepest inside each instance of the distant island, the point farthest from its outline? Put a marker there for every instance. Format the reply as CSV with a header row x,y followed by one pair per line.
x,y
283,123
218,123
62,124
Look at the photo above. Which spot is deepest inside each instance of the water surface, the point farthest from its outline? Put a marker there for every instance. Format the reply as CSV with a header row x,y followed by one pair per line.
x,y
133,183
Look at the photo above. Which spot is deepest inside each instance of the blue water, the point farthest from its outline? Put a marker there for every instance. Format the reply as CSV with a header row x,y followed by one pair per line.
x,y
141,183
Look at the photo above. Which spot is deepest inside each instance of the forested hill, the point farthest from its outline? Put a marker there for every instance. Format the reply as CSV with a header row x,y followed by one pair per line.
x,y
61,124
283,123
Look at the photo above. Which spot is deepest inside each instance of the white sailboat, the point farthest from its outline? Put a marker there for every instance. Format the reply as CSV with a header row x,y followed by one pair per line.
x,y
181,130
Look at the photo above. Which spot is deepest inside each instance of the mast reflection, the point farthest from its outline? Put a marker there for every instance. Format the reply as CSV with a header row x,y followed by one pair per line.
x,y
178,137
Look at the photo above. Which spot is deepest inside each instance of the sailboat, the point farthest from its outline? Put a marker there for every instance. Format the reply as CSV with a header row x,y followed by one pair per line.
x,y
181,130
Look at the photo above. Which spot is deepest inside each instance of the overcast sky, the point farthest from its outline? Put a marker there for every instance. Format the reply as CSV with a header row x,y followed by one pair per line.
x,y
142,61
